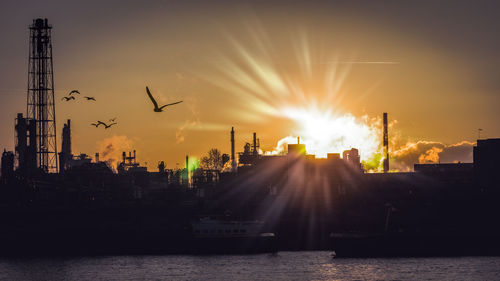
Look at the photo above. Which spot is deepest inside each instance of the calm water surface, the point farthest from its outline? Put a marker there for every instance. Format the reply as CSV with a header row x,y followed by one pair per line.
x,y
281,266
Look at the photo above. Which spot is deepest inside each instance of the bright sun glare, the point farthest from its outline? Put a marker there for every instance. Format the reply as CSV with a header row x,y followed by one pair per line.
x,y
323,132
267,90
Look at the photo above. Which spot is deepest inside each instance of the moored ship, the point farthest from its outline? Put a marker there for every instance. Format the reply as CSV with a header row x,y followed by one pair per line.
x,y
213,236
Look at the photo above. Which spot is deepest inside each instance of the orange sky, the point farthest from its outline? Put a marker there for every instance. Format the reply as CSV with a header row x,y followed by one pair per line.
x,y
431,68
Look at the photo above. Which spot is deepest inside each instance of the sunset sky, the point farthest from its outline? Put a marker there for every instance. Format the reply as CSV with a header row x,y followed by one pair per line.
x,y
321,70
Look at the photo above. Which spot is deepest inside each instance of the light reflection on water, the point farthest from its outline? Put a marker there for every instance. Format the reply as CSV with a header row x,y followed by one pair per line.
x,y
281,266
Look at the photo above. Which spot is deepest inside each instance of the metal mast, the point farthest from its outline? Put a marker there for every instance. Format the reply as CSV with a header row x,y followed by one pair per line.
x,y
41,106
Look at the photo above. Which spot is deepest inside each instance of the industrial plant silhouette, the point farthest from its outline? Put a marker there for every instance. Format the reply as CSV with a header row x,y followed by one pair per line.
x,y
58,203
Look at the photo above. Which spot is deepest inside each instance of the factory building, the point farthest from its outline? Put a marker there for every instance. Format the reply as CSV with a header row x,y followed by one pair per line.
x,y
7,165
25,147
65,155
486,157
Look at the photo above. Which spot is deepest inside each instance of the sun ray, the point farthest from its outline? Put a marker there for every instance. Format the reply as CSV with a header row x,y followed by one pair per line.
x,y
307,90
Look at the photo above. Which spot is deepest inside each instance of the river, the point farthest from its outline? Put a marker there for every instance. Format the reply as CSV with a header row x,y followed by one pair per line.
x,y
281,266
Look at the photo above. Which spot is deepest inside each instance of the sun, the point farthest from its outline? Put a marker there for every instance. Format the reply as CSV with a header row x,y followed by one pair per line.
x,y
323,131
306,90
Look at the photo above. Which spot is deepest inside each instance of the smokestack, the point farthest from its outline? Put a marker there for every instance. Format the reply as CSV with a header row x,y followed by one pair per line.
x,y
124,155
233,160
386,145
187,170
134,156
254,143
232,144
97,157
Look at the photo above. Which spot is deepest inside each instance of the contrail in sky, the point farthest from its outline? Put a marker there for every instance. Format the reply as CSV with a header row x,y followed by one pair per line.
x,y
363,62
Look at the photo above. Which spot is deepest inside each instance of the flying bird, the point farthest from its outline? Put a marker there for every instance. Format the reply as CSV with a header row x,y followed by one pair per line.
x,y
112,119
90,98
68,98
74,92
95,124
106,125
158,109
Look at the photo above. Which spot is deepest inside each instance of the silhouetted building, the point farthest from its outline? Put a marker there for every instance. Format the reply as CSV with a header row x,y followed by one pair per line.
x,y
352,158
161,167
486,159
250,154
65,155
79,160
25,144
443,168
462,173
129,164
7,165
246,157
333,156
296,149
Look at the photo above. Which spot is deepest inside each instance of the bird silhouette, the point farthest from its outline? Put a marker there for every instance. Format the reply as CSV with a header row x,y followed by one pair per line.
x,y
68,98
90,98
158,109
74,92
112,119
106,125
95,124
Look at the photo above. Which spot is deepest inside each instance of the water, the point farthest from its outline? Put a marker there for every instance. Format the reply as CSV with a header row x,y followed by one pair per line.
x,y
281,266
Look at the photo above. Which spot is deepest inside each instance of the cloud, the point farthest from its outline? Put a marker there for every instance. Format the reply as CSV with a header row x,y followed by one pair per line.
x,y
110,149
404,157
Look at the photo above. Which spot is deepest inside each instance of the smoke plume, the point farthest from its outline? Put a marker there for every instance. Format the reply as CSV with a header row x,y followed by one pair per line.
x,y
404,157
110,149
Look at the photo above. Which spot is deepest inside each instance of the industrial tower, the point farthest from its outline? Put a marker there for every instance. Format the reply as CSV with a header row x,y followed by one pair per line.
x,y
386,145
40,102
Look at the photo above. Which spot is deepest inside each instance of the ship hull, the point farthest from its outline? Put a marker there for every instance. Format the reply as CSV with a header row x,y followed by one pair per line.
x,y
234,245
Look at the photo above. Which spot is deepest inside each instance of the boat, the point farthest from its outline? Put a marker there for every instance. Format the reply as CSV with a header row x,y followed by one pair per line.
x,y
215,236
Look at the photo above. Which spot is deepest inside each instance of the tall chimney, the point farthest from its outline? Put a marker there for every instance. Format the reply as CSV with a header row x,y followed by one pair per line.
x,y
386,145
97,157
254,143
187,170
233,160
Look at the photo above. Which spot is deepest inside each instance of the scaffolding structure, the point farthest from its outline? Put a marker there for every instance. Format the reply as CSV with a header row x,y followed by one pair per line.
x,y
40,97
